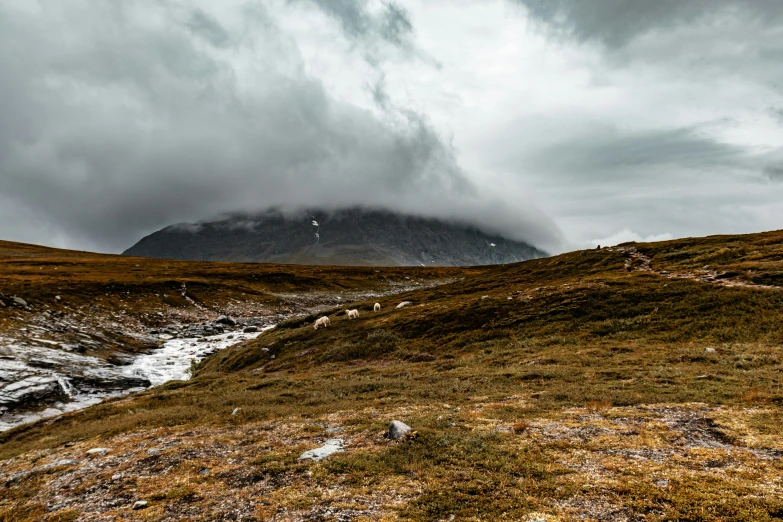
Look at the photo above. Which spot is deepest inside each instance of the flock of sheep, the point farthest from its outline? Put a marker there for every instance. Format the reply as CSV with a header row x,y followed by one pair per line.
x,y
323,322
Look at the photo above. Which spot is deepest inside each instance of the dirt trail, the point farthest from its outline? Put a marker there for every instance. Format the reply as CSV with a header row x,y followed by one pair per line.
x,y
637,261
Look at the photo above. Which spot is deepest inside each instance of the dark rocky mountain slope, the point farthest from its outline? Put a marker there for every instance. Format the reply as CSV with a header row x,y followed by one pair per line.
x,y
344,237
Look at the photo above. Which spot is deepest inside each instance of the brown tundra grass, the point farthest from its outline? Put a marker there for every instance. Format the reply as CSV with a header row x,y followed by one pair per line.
x,y
497,389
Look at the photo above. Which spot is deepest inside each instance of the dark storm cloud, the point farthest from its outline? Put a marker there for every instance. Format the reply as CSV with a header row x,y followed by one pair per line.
x,y
616,22
393,24
605,151
121,118
378,35
774,172
208,28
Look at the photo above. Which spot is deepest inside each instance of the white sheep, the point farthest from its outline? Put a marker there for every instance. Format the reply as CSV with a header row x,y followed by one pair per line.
x,y
321,322
353,314
377,307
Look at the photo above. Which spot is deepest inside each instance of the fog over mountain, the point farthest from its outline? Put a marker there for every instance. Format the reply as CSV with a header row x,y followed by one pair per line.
x,y
351,236
561,123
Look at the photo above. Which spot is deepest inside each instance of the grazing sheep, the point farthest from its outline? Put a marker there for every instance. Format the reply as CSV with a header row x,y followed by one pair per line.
x,y
377,307
353,314
322,322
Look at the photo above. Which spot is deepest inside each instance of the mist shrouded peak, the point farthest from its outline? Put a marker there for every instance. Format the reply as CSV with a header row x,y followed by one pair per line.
x,y
211,110
349,236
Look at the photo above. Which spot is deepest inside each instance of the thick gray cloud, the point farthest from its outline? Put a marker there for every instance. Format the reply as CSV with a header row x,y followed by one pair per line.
x,y
688,137
206,26
121,118
618,118
610,153
617,22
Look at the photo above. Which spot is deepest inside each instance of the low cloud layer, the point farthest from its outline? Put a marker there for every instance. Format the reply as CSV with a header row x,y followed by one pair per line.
x,y
125,117
562,122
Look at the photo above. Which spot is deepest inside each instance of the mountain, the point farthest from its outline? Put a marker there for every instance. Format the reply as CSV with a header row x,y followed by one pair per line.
x,y
352,236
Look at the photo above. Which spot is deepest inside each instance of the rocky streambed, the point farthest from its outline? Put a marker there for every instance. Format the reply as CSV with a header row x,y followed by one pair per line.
x,y
40,378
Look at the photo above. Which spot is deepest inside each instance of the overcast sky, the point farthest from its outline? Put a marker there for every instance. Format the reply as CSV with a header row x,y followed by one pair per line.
x,y
565,123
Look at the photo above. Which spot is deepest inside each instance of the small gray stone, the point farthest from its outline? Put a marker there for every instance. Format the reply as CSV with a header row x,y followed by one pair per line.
x,y
329,447
19,301
404,304
98,451
203,472
140,504
65,462
397,430
250,329
709,350
234,413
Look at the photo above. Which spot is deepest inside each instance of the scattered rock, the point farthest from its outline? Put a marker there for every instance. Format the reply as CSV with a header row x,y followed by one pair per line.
x,y
397,430
329,447
140,504
234,413
15,477
709,350
98,451
250,329
19,301
203,472
58,298
662,483
404,304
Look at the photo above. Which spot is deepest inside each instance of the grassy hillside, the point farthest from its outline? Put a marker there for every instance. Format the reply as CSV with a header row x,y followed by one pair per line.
x,y
640,382
115,295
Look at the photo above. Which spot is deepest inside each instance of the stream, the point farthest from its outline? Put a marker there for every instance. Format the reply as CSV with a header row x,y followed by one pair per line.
x,y
34,372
